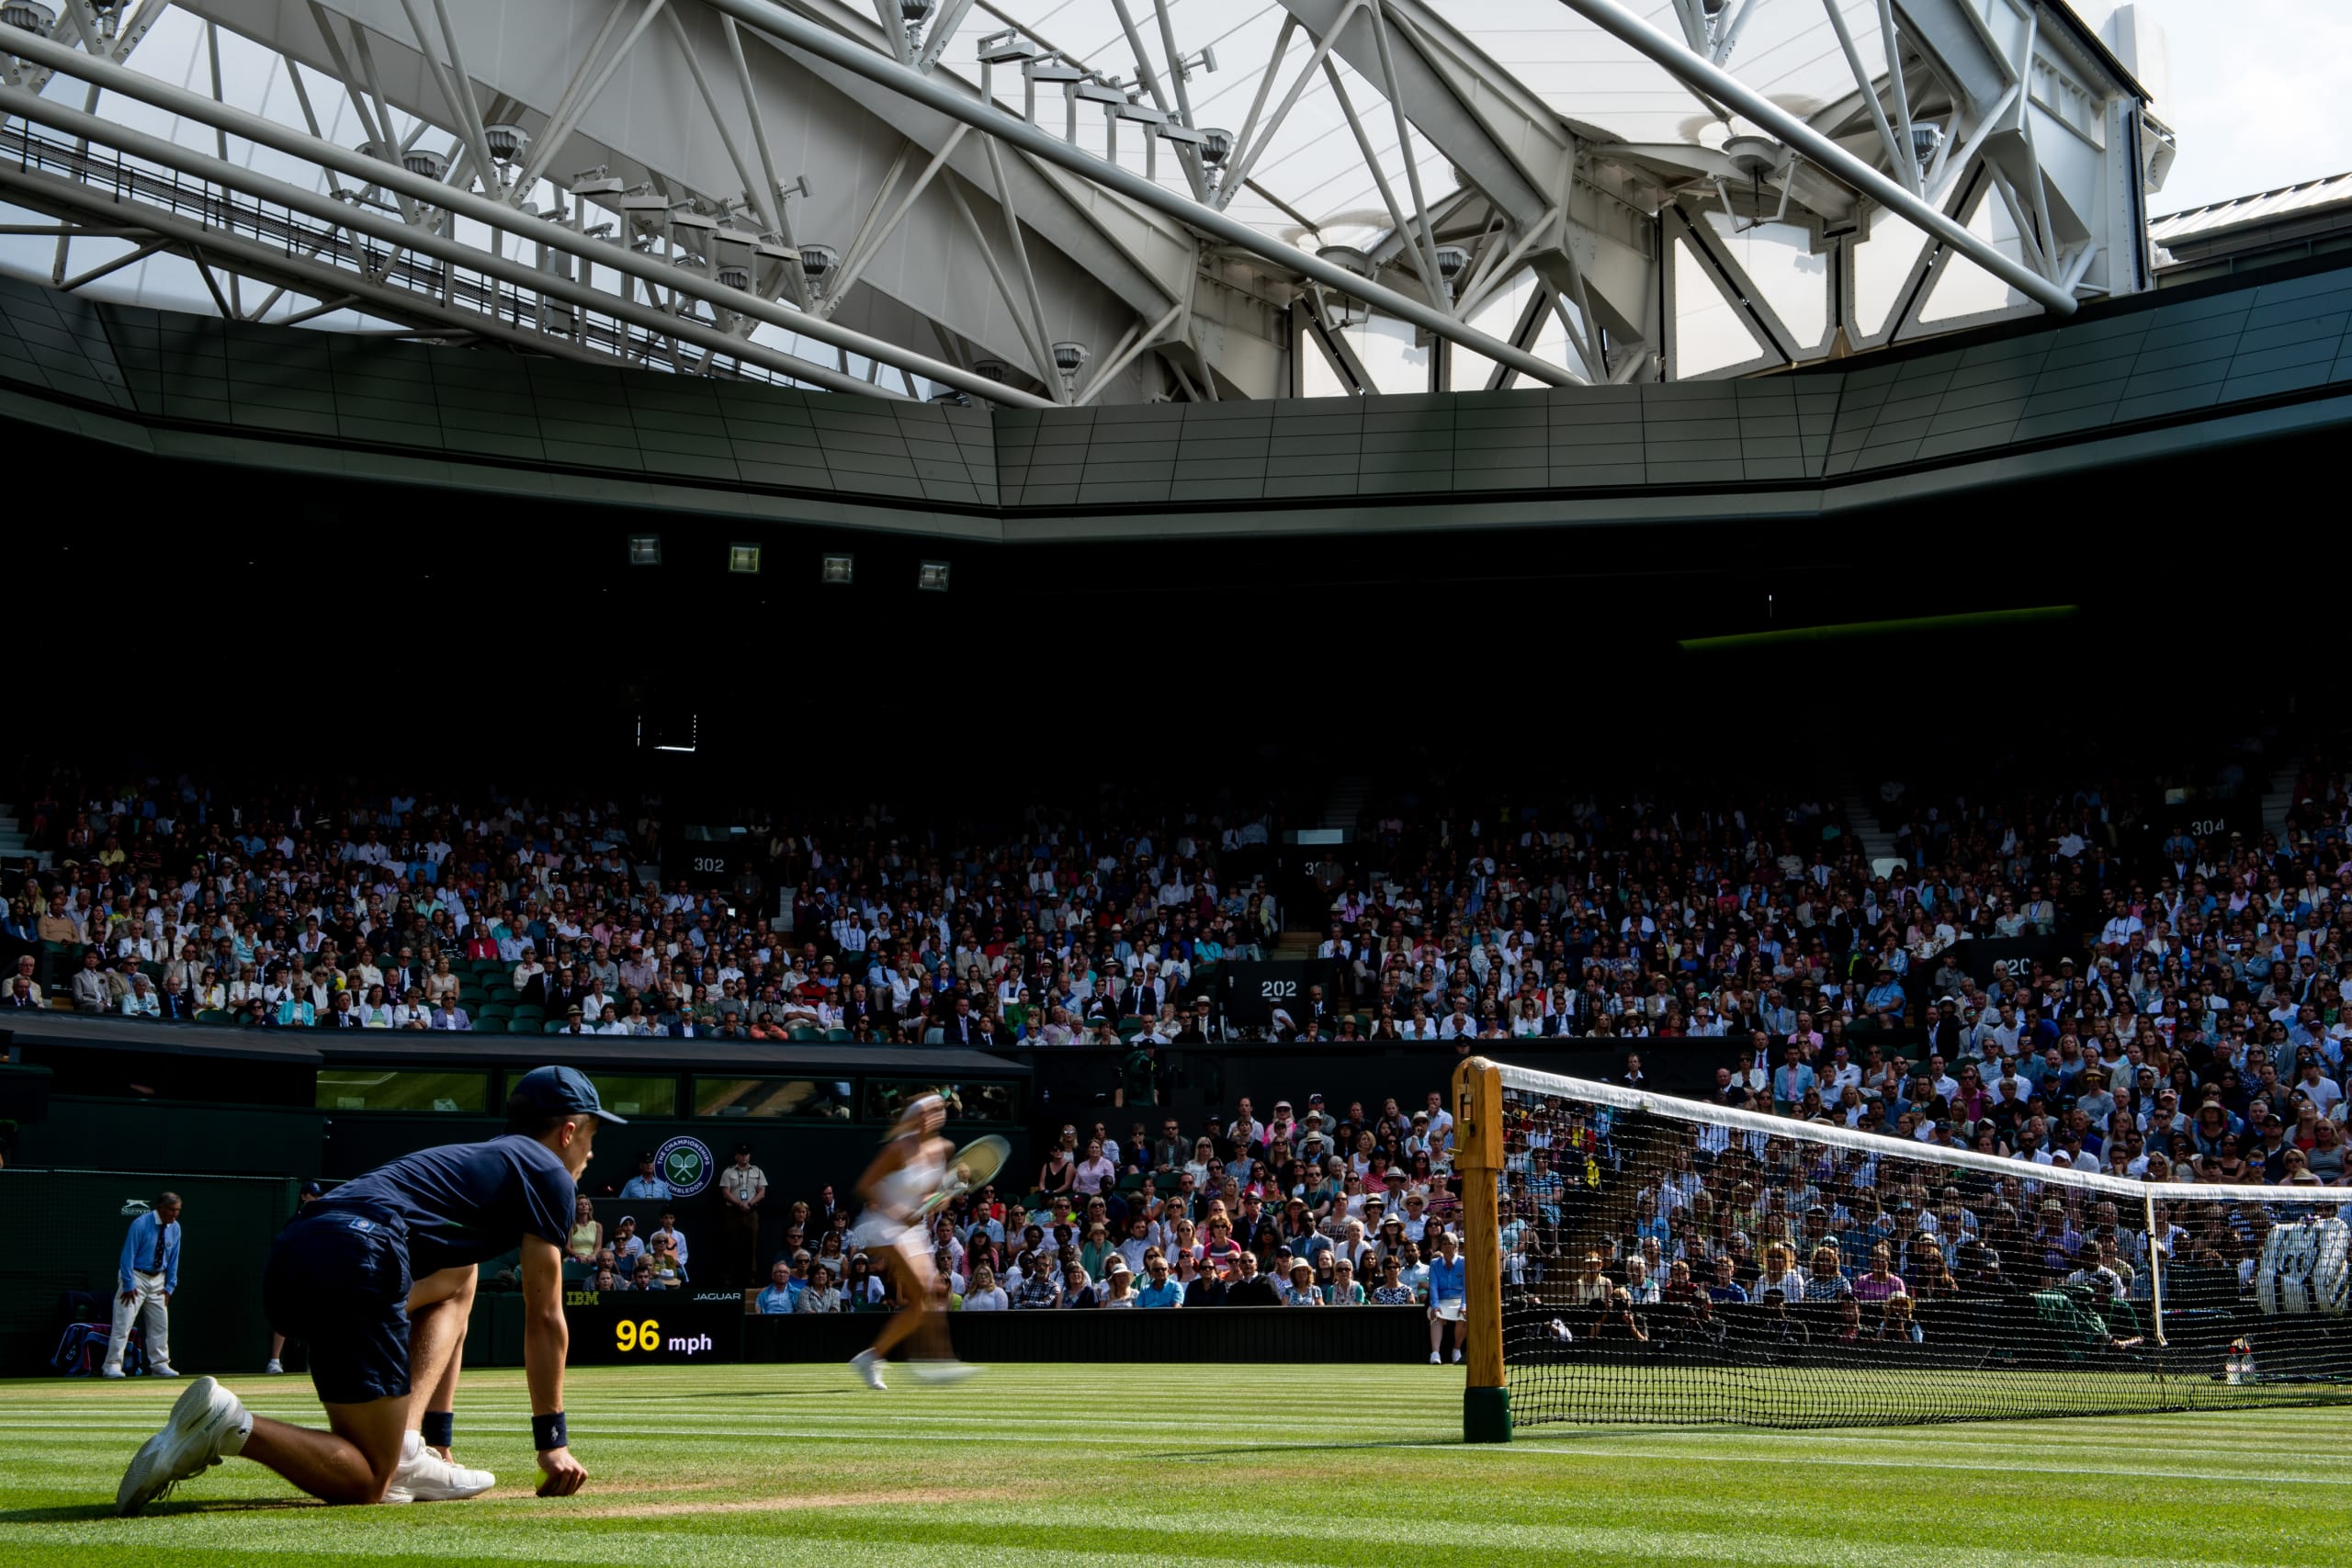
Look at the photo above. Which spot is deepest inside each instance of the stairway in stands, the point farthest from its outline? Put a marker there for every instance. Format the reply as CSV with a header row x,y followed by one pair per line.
x,y
1346,803
2280,798
1302,930
1861,810
13,847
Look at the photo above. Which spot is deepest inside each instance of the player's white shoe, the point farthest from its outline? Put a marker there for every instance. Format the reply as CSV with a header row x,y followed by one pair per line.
x,y
112,1373
163,1369
868,1365
942,1371
202,1418
1435,1358
426,1477
1457,1357
274,1368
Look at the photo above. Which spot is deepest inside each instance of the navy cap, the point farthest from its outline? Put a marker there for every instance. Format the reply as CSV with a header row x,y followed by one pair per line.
x,y
312,1189
560,1088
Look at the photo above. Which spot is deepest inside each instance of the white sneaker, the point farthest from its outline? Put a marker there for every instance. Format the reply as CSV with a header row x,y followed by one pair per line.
x,y
1457,1357
201,1417
868,1365
274,1369
163,1369
425,1477
942,1371
1435,1358
112,1371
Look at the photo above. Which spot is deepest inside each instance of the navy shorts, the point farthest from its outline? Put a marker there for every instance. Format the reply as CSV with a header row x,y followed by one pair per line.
x,y
338,1280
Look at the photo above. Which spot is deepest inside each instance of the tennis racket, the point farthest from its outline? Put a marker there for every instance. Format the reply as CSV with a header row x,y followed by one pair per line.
x,y
974,1165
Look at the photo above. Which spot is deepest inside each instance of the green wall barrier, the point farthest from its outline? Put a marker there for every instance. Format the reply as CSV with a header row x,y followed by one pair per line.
x,y
63,1230
87,1133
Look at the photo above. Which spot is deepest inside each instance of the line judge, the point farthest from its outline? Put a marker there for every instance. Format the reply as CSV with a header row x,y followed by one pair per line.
x,y
144,1281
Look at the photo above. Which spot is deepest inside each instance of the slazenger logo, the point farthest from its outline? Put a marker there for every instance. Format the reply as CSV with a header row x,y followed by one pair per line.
x,y
685,1165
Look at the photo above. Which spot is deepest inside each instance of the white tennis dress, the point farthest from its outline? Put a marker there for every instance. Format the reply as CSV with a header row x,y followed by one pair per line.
x,y
891,1220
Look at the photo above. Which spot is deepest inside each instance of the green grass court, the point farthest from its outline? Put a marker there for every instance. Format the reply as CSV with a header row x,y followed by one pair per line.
x,y
1042,1466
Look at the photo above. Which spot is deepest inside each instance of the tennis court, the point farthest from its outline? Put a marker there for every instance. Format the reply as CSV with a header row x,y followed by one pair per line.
x,y
1048,1465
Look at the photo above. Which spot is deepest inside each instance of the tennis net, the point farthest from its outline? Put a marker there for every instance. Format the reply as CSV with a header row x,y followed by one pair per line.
x,y
1671,1262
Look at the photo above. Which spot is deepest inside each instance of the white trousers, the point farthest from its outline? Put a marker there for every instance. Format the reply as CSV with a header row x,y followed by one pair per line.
x,y
148,1308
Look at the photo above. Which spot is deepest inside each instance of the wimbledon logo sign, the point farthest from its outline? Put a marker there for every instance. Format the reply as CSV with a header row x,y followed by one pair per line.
x,y
685,1165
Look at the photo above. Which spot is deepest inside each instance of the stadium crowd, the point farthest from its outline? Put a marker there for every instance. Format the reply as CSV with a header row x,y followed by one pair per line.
x,y
402,912
2161,1003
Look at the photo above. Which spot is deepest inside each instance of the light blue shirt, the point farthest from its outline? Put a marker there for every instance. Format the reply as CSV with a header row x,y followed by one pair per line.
x,y
646,1186
1167,1294
139,1252
1449,1281
775,1299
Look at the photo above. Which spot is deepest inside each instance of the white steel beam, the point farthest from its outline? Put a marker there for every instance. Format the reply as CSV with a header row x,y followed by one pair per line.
x,y
1014,131
493,214
1506,142
202,242
1100,259
1907,156
1895,155
1706,76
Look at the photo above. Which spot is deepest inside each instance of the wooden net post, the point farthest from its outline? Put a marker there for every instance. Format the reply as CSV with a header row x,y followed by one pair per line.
x,y
1478,1156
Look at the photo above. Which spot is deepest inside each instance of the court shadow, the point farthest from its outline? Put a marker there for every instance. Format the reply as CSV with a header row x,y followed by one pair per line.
x,y
1269,1449
84,1513
1434,1440
721,1394
65,1513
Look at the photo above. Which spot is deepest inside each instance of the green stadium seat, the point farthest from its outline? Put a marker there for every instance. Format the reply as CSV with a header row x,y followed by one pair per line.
x,y
805,1035
838,1037
215,1016
547,1026
529,1009
489,1026
506,994
1129,1027
500,1011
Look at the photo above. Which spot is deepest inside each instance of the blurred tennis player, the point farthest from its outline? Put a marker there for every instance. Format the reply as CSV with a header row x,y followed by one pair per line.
x,y
908,1181
377,1277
